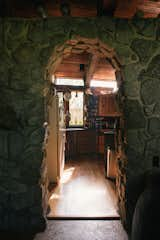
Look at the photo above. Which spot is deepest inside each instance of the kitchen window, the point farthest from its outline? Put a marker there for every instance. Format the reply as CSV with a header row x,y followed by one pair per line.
x,y
74,100
76,103
68,81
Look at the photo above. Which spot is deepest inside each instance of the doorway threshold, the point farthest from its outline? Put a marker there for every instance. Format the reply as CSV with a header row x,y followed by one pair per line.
x,y
83,218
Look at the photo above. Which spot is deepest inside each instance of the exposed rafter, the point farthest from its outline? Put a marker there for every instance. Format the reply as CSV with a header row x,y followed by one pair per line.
x,y
126,9
91,69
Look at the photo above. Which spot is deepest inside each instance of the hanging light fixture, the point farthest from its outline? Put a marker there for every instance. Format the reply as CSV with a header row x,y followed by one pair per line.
x,y
65,8
39,4
67,95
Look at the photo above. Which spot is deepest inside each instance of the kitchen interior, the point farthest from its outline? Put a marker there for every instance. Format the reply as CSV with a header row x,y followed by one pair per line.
x,y
84,123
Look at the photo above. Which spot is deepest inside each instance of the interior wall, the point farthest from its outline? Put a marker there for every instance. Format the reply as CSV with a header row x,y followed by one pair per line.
x,y
25,48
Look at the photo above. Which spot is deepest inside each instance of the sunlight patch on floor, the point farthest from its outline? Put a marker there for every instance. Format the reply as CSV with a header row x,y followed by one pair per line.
x,y
67,175
84,192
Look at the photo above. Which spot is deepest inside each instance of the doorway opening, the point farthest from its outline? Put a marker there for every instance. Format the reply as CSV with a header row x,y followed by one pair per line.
x,y
84,132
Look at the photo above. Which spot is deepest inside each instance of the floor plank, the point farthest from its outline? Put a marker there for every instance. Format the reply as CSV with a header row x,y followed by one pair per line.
x,y
84,191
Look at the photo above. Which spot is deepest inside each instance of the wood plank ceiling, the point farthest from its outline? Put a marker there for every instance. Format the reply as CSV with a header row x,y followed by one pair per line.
x,y
79,8
85,66
88,67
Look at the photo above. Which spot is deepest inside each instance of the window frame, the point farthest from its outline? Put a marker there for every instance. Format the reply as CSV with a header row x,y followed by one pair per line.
x,y
78,126
62,88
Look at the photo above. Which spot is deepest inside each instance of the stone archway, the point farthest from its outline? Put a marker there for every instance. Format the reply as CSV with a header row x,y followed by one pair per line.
x,y
80,45
24,53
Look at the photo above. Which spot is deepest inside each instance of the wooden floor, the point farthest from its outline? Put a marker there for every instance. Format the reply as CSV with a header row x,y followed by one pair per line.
x,y
83,191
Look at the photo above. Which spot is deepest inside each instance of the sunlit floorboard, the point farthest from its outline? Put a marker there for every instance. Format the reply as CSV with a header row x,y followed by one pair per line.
x,y
83,191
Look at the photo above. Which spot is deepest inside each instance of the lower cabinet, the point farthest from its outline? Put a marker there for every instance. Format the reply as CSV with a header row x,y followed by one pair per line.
x,y
100,144
80,142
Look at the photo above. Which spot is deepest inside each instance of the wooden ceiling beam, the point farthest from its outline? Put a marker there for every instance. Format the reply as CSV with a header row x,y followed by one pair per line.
x,y
106,78
94,60
68,67
69,74
126,9
104,75
149,8
77,59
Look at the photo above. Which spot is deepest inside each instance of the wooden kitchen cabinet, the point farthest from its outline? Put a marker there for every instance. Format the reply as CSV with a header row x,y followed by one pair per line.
x,y
100,144
80,142
71,148
86,141
107,105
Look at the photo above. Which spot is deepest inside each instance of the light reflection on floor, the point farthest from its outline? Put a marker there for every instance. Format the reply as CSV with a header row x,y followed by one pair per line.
x,y
83,191
67,175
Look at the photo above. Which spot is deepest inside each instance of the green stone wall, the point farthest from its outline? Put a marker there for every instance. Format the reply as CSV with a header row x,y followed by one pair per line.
x,y
25,48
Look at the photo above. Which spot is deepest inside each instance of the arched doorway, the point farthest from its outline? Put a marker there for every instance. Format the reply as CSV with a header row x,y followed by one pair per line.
x,y
97,50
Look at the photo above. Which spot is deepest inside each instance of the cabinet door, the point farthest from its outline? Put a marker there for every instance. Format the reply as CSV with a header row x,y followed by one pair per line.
x,y
100,144
71,144
86,142
107,105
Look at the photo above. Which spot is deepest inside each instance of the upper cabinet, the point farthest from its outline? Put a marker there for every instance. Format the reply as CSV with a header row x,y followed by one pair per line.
x,y
107,105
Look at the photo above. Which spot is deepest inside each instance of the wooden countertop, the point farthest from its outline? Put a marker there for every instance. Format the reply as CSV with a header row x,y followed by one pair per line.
x,y
74,129
107,130
79,129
